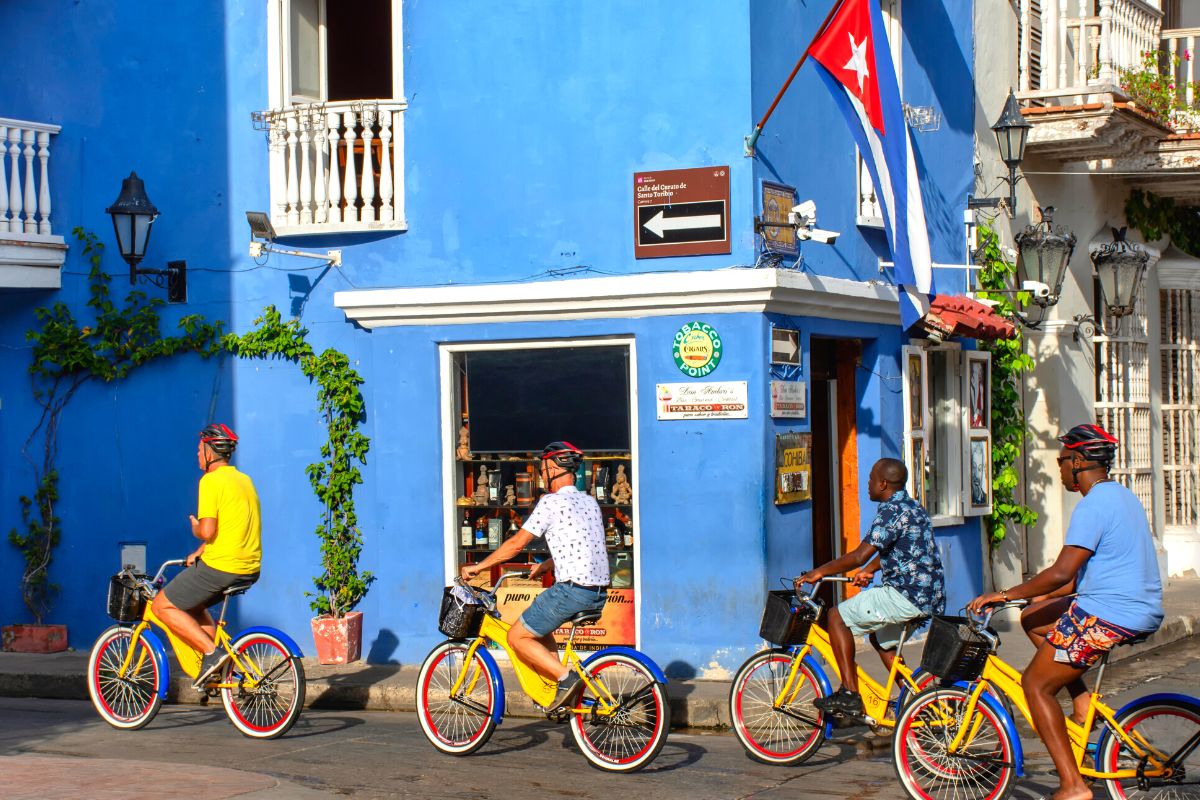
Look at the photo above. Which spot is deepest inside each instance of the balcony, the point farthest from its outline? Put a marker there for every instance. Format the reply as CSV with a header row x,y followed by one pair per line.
x,y
31,255
1073,56
336,167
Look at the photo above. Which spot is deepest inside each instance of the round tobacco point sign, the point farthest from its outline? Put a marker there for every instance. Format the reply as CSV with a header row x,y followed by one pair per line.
x,y
697,349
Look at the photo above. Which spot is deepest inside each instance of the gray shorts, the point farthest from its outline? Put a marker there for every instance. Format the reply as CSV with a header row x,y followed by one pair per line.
x,y
201,586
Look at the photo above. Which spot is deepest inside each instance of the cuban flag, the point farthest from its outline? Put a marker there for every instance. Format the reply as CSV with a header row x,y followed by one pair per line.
x,y
856,64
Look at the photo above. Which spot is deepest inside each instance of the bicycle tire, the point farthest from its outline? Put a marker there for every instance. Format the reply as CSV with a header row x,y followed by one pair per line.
x,y
270,709
1166,724
127,703
456,726
768,734
633,737
982,770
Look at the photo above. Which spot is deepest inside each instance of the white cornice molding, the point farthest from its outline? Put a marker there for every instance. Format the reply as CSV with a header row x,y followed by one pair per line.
x,y
32,261
720,291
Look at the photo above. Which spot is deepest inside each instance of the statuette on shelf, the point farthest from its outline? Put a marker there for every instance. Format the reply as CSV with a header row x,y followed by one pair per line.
x,y
622,491
463,452
510,495
481,487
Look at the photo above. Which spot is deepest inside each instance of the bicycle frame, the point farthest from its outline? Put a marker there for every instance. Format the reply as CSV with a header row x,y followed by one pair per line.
x,y
539,688
1007,680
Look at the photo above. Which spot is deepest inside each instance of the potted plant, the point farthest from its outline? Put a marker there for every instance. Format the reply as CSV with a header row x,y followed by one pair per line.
x,y
37,544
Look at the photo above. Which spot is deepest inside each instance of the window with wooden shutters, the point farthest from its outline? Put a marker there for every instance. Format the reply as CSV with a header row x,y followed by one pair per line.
x,y
1180,348
916,420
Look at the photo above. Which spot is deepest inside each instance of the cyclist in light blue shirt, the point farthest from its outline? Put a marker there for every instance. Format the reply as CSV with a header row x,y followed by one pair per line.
x,y
1108,561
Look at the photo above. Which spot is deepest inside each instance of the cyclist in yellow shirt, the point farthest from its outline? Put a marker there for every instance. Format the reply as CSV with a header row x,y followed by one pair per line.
x,y
230,554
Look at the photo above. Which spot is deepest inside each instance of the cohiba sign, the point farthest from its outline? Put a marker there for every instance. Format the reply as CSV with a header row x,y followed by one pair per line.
x,y
697,349
716,400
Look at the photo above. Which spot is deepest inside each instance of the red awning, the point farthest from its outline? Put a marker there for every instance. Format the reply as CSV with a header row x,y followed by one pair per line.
x,y
956,315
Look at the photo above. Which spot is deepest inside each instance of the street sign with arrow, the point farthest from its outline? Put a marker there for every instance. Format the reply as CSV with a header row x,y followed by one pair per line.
x,y
785,346
681,212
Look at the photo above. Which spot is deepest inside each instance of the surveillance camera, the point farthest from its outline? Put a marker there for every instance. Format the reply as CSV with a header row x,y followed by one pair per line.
x,y
256,249
806,209
818,235
1036,288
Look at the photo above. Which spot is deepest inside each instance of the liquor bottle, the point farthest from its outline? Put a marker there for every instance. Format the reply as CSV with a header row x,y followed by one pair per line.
x,y
466,533
494,487
481,532
600,483
611,537
629,533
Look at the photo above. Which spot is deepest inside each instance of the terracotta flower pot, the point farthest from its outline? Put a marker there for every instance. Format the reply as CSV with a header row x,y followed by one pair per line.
x,y
33,638
338,641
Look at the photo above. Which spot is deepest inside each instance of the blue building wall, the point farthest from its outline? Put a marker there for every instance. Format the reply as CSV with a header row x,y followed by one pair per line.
x,y
522,133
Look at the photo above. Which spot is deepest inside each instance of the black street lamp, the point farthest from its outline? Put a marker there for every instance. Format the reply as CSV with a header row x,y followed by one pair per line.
x,y
1043,252
1012,134
133,214
1120,268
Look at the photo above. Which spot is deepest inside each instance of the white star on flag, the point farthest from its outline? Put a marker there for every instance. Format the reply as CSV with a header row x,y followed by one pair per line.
x,y
858,60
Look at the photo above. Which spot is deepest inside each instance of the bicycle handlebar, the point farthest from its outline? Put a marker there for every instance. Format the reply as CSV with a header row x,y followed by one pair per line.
x,y
172,563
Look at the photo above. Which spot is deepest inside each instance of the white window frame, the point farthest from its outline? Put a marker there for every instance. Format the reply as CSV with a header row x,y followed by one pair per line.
x,y
957,471
863,183
279,59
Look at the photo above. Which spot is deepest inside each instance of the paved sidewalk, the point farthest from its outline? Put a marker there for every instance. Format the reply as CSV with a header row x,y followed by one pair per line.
x,y
694,703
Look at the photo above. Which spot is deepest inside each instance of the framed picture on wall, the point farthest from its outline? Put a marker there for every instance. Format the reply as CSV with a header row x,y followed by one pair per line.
x,y
917,479
981,469
978,399
916,408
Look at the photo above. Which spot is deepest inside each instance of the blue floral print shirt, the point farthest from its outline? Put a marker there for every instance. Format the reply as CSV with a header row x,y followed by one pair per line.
x,y
903,534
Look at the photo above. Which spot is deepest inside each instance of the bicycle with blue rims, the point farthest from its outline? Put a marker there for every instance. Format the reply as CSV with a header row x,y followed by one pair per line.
x,y
261,684
619,721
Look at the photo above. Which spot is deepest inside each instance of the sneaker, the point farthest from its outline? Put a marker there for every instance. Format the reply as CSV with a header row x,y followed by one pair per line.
x,y
568,690
209,666
843,702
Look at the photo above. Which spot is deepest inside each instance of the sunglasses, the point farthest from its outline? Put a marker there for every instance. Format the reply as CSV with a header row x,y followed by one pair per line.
x,y
1061,459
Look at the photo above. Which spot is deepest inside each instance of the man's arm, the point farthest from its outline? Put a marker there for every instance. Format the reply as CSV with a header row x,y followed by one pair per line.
x,y
204,529
852,560
500,555
1052,579
867,573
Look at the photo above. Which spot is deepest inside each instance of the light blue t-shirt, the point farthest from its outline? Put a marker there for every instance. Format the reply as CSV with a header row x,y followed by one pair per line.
x,y
1120,582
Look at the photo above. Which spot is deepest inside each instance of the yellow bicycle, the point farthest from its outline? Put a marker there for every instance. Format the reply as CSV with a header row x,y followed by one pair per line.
x,y
955,741
771,699
620,720
261,684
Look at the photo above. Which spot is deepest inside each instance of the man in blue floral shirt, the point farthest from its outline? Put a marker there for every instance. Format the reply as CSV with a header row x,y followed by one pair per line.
x,y
912,587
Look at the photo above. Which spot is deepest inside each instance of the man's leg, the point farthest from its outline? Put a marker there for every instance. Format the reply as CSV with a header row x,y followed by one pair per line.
x,y
539,652
1043,679
183,624
1037,619
886,655
842,642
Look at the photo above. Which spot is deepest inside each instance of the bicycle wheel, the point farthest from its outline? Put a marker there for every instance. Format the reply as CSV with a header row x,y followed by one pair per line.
x,y
788,734
981,769
127,702
630,738
270,707
1168,728
461,723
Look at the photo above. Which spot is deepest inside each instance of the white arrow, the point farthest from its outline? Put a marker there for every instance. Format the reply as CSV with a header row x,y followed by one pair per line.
x,y
785,346
658,223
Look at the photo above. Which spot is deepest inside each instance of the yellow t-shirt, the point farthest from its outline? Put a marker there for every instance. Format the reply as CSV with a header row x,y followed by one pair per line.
x,y
229,497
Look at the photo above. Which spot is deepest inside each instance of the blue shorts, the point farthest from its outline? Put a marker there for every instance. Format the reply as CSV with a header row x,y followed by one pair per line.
x,y
880,610
558,604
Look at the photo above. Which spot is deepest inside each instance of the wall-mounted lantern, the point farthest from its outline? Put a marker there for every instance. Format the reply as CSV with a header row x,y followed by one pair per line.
x,y
133,215
1043,252
1120,268
1012,134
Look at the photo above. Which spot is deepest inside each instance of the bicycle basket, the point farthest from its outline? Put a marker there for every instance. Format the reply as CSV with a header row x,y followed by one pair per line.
x,y
782,623
459,619
953,651
126,603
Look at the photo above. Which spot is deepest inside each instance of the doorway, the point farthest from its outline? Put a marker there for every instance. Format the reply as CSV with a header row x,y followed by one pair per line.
x,y
834,407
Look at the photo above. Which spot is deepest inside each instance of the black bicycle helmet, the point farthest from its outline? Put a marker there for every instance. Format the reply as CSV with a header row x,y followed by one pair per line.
x,y
220,439
563,454
1092,442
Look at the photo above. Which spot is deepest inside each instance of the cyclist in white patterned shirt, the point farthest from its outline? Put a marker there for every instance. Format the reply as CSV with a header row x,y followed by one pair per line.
x,y
573,528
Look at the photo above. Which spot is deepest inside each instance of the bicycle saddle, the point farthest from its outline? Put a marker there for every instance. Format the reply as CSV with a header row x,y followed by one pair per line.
x,y
233,591
585,618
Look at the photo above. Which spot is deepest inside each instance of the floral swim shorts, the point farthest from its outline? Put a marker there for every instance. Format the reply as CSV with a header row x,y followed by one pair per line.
x,y
1080,639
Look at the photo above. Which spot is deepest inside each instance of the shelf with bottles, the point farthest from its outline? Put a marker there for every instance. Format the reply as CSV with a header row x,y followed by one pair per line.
x,y
512,480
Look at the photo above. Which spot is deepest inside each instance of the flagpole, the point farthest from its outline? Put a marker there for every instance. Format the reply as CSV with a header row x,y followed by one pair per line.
x,y
752,139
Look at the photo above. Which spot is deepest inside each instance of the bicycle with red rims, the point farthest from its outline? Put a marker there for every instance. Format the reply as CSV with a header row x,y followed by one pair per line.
x,y
619,720
261,685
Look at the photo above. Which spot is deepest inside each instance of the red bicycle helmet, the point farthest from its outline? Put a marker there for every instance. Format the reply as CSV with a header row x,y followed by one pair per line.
x,y
1092,442
220,438
563,454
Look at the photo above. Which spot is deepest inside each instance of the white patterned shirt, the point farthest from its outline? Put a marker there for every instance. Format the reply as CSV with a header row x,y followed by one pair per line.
x,y
573,528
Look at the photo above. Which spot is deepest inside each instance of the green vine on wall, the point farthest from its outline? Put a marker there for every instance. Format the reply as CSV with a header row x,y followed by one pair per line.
x,y
1155,217
1009,361
341,586
66,355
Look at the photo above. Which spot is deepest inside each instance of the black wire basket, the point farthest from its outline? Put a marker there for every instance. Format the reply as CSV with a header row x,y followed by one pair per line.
x,y
785,624
126,602
458,618
953,651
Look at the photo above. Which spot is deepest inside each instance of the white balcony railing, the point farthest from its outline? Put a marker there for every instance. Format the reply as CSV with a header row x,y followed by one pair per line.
x,y
25,178
1181,43
1073,49
336,167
